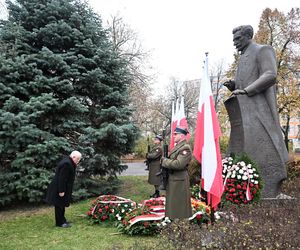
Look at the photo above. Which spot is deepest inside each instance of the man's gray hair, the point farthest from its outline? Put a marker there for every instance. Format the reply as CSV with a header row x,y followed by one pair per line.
x,y
75,153
246,30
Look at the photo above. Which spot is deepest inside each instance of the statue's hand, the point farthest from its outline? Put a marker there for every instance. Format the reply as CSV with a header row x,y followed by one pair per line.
x,y
238,92
230,85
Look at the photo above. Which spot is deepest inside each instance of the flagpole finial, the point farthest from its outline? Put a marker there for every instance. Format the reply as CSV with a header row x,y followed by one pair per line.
x,y
206,53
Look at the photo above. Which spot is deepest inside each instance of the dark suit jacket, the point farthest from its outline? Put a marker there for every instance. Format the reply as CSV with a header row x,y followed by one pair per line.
x,y
63,181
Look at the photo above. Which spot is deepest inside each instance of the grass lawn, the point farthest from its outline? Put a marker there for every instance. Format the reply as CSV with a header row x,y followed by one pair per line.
x,y
33,228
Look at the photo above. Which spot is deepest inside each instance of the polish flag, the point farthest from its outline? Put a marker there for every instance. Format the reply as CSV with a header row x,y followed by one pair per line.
x,y
182,121
206,145
173,123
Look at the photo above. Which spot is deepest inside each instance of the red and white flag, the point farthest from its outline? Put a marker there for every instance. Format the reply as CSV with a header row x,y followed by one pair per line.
x,y
182,121
206,145
173,124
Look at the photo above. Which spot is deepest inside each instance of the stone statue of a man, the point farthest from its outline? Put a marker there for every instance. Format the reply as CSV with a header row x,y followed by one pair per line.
x,y
252,110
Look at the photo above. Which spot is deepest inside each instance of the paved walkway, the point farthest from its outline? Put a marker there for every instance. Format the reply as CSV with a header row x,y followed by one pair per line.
x,y
135,168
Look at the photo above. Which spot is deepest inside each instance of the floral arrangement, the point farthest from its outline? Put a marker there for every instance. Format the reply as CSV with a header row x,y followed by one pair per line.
x,y
195,191
147,218
201,212
242,181
155,205
109,208
140,221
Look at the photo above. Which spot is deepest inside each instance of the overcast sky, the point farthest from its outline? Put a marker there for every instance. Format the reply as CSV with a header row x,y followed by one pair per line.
x,y
178,33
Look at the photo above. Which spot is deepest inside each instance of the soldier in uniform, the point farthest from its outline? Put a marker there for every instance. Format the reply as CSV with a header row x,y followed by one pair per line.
x,y
153,158
178,197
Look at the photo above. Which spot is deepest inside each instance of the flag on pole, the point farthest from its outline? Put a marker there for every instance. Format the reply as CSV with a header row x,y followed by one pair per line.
x,y
182,121
173,123
206,145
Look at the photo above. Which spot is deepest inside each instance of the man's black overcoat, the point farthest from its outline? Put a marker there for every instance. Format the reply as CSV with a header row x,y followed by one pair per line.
x,y
62,182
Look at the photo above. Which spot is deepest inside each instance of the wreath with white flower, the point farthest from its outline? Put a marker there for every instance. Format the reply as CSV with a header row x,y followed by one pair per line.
x,y
109,208
242,180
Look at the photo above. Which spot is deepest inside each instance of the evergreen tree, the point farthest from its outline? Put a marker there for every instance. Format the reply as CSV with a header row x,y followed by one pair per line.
x,y
61,88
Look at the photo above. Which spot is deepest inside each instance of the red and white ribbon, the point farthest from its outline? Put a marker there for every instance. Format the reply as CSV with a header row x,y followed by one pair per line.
x,y
146,217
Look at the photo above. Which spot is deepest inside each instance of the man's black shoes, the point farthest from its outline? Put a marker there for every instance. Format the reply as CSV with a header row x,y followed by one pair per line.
x,y
65,225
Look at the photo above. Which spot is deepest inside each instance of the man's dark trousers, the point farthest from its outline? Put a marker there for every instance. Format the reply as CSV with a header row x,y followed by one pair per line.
x,y
60,215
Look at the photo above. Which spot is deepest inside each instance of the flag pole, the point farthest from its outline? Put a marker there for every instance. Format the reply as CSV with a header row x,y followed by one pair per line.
x,y
212,211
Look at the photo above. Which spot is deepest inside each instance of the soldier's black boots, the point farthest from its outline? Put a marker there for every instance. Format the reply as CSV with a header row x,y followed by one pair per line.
x,y
156,194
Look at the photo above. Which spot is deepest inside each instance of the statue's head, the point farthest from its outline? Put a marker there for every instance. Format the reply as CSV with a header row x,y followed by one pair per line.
x,y
242,36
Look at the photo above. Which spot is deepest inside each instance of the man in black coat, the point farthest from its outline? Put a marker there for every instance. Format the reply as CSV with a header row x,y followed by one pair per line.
x,y
60,189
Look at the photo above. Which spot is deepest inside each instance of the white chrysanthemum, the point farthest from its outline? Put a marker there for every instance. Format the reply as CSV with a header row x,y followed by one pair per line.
x,y
241,171
239,177
237,168
244,168
230,163
125,205
242,163
233,176
123,210
251,176
252,180
217,216
167,219
250,171
245,177
234,172
249,166
223,176
255,182
254,169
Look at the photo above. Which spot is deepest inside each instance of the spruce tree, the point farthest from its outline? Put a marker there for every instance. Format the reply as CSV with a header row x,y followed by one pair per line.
x,y
61,88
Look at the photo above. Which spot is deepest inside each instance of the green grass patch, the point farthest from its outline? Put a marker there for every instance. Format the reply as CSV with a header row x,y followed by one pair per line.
x,y
34,228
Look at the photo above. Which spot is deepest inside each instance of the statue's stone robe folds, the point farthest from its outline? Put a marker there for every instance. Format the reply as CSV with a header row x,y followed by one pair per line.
x,y
254,119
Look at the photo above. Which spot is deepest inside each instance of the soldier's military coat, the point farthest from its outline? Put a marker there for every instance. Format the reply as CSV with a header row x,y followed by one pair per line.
x,y
178,196
153,157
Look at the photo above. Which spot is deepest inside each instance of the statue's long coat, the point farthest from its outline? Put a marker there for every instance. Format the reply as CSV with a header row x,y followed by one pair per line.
x,y
254,117
178,196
